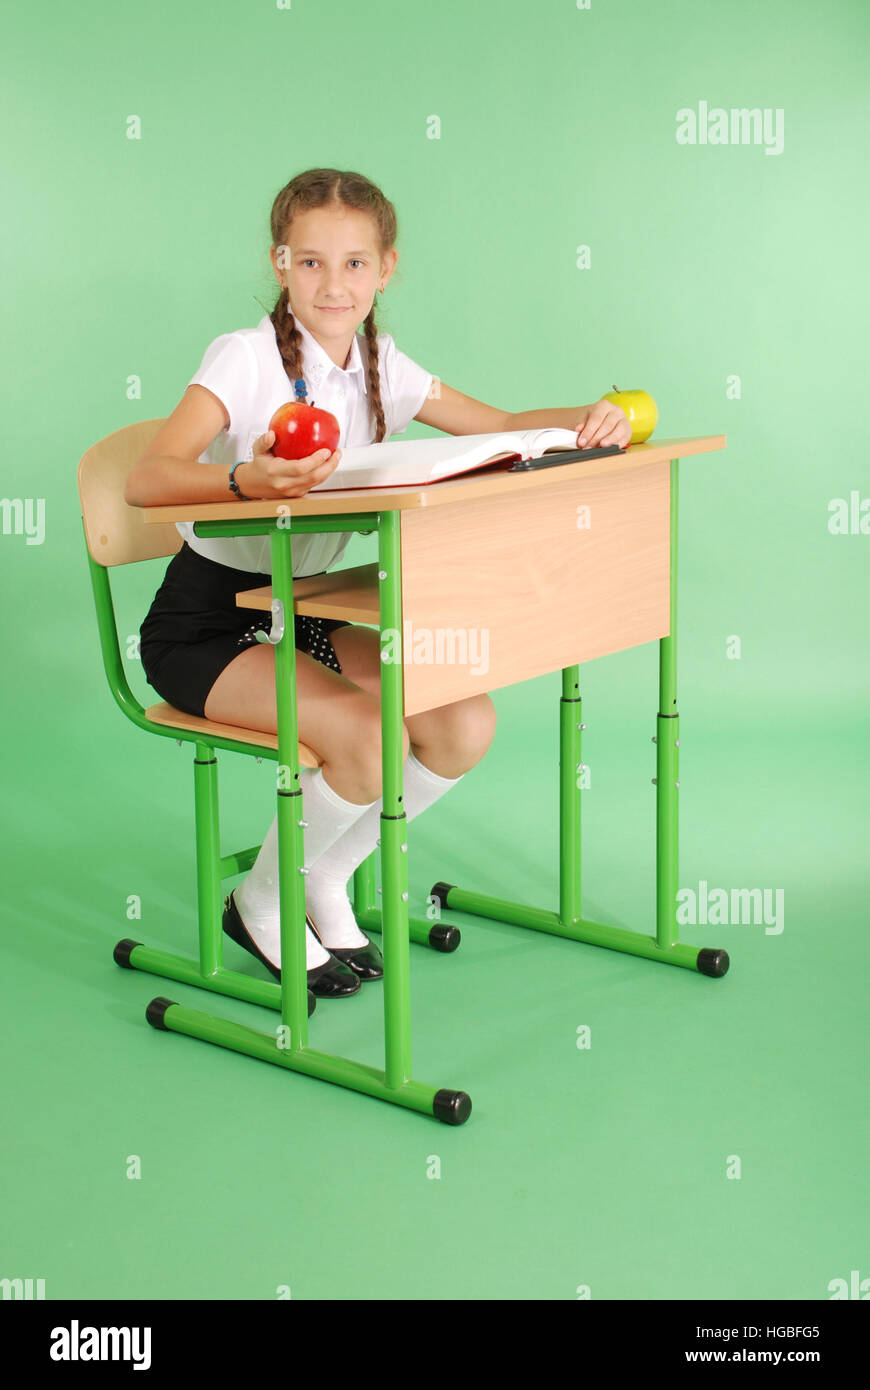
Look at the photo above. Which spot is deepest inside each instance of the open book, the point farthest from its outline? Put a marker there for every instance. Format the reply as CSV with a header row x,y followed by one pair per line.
x,y
415,462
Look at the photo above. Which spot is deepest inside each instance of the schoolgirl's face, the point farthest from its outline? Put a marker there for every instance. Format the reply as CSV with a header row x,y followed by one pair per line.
x,y
332,268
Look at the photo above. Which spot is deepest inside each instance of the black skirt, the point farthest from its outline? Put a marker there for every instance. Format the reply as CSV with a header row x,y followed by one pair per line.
x,y
194,629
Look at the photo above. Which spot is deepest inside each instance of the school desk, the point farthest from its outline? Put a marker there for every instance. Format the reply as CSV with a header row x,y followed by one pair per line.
x,y
554,567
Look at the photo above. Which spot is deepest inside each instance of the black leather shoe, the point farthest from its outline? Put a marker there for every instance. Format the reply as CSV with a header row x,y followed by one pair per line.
x,y
331,980
366,962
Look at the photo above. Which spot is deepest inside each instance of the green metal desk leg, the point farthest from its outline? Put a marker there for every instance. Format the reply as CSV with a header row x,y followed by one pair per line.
x,y
667,741
571,772
708,960
291,853
568,921
394,846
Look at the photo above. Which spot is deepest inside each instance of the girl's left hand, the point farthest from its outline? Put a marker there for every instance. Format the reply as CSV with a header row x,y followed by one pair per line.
x,y
601,424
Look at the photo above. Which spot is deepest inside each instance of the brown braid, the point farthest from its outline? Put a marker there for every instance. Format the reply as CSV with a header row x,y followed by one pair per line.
x,y
317,188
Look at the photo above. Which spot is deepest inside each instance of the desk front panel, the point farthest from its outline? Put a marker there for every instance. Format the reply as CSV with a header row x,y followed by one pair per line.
x,y
506,588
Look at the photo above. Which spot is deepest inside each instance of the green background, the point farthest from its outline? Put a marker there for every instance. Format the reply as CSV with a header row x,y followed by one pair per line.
x,y
604,1167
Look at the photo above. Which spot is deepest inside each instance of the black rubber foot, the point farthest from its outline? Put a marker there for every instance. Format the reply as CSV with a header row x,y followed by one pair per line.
x,y
713,962
312,1003
156,1009
445,938
440,892
122,951
453,1107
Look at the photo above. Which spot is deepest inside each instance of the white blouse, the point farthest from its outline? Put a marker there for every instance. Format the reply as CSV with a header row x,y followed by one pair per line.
x,y
246,372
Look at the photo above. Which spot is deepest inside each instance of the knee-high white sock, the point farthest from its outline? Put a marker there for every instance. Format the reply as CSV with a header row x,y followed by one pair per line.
x,y
326,896
328,817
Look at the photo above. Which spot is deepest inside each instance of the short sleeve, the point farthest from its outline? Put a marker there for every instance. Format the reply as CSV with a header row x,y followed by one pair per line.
x,y
228,370
407,383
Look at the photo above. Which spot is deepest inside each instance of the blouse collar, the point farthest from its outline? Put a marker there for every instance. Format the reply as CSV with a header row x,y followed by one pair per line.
x,y
318,363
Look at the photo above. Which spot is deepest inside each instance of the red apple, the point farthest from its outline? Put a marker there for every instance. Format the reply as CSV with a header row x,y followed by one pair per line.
x,y
300,430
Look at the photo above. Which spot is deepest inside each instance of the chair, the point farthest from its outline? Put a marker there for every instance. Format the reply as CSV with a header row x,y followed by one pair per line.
x,y
116,535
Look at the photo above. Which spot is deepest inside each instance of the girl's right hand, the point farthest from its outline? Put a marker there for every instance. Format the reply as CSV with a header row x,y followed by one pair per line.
x,y
266,475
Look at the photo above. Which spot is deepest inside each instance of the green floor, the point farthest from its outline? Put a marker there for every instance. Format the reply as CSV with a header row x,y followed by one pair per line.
x,y
603,1168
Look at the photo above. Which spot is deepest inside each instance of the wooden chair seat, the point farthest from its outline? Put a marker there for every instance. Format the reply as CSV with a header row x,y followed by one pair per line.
x,y
163,713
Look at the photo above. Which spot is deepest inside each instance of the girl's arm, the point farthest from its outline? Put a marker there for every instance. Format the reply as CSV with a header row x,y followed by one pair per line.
x,y
458,414
169,469
454,413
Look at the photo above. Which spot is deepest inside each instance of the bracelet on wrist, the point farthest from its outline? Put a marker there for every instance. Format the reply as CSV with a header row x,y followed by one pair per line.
x,y
234,487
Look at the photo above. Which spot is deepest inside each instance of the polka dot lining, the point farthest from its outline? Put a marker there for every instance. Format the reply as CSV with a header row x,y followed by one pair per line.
x,y
311,635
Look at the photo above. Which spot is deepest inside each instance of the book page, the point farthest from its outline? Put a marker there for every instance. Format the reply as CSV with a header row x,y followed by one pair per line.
x,y
420,461
415,460
537,442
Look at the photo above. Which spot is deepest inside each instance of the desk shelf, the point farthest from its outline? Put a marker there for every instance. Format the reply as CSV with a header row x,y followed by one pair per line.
x,y
351,594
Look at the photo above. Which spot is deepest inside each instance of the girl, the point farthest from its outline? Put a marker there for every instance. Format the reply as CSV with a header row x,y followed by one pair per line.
x,y
333,248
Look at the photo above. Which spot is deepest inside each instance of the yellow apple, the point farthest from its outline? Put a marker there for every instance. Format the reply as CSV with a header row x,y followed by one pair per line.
x,y
641,410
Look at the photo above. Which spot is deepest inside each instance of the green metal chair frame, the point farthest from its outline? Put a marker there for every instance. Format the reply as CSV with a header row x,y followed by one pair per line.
x,y
114,535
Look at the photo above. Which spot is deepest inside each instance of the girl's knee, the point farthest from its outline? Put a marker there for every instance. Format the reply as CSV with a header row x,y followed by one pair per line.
x,y
487,714
466,727
482,719
372,736
360,744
